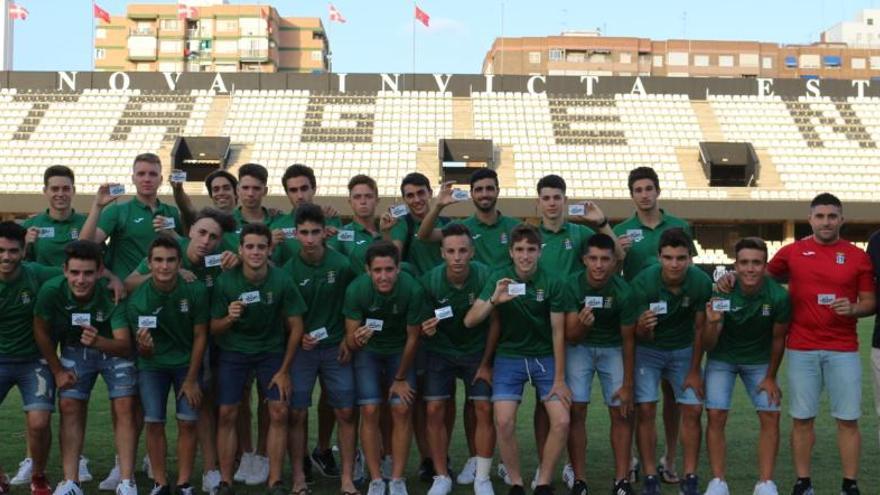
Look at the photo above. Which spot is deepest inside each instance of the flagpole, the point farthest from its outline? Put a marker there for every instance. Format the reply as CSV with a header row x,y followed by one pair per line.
x,y
502,38
414,44
93,36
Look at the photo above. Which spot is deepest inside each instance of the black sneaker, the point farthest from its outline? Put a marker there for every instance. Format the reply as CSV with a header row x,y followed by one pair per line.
x,y
160,490
325,462
186,489
224,489
307,469
426,470
804,488
622,487
851,490
651,486
690,485
579,488
545,490
516,490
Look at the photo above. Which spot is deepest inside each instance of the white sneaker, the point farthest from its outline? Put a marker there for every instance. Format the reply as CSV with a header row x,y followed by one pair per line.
x,y
387,467
112,480
25,470
717,487
126,487
147,467
210,480
483,487
357,474
259,471
442,486
568,475
765,488
398,487
377,487
84,475
157,489
67,487
535,479
244,467
503,474
468,472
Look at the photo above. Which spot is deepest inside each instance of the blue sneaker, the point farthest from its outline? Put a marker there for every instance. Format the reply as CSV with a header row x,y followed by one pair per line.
x,y
690,485
651,485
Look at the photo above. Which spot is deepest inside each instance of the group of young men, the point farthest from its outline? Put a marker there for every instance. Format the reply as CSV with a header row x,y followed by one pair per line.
x,y
390,309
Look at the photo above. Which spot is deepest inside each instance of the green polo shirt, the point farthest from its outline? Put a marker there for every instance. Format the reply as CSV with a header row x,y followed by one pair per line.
x,y
290,247
205,274
261,327
617,308
129,226
56,305
403,306
642,252
525,320
53,237
491,242
322,286
232,240
176,312
561,251
17,298
452,337
423,256
675,329
356,248
747,334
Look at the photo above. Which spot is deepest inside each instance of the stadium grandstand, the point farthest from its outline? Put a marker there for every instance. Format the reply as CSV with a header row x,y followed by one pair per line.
x,y
797,138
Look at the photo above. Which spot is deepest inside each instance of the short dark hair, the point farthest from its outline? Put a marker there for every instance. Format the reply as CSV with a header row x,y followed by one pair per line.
x,y
598,241
526,232
309,213
552,181
224,220
640,173
454,228
209,180
675,237
484,173
57,171
299,170
255,228
83,250
254,170
826,199
362,179
12,231
164,241
382,249
751,243
415,179
151,158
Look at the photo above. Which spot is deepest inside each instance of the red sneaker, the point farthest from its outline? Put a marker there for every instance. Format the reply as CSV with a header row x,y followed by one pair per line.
x,y
40,485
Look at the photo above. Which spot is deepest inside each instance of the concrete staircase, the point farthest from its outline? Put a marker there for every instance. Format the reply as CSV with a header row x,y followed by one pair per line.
x,y
462,118
709,125
691,168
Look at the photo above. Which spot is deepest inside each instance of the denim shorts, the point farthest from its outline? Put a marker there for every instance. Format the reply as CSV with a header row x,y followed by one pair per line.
x,y
337,379
512,373
373,374
35,383
118,373
839,372
582,362
234,371
155,385
654,364
720,378
442,370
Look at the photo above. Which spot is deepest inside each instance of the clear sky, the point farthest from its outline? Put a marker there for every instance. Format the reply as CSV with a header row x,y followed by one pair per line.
x,y
378,34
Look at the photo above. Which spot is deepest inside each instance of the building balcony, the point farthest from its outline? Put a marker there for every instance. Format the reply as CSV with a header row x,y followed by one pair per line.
x,y
142,31
254,55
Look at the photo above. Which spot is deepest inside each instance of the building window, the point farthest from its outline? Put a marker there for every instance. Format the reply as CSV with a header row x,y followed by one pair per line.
x,y
598,58
870,21
626,58
576,56
169,24
767,63
171,46
226,46
100,34
556,54
534,57
677,58
100,54
725,60
831,61
317,56
701,61
748,59
227,25
858,63
252,26
809,61
658,60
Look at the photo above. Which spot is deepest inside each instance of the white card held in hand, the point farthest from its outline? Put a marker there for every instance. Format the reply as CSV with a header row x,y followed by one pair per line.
x,y
148,322
658,308
319,334
168,223
178,176
374,324
593,302
398,211
250,297
826,299
721,305
345,236
289,232
117,189
46,232
81,319
443,313
577,210
212,260
460,194
516,289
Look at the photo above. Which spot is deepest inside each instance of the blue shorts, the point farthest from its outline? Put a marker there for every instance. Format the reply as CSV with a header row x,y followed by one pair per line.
x,y
119,374
654,364
720,378
583,361
442,370
512,373
234,371
839,372
373,374
35,383
337,379
155,385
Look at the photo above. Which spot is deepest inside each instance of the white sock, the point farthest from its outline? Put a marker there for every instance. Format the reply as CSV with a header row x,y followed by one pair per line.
x,y
484,465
